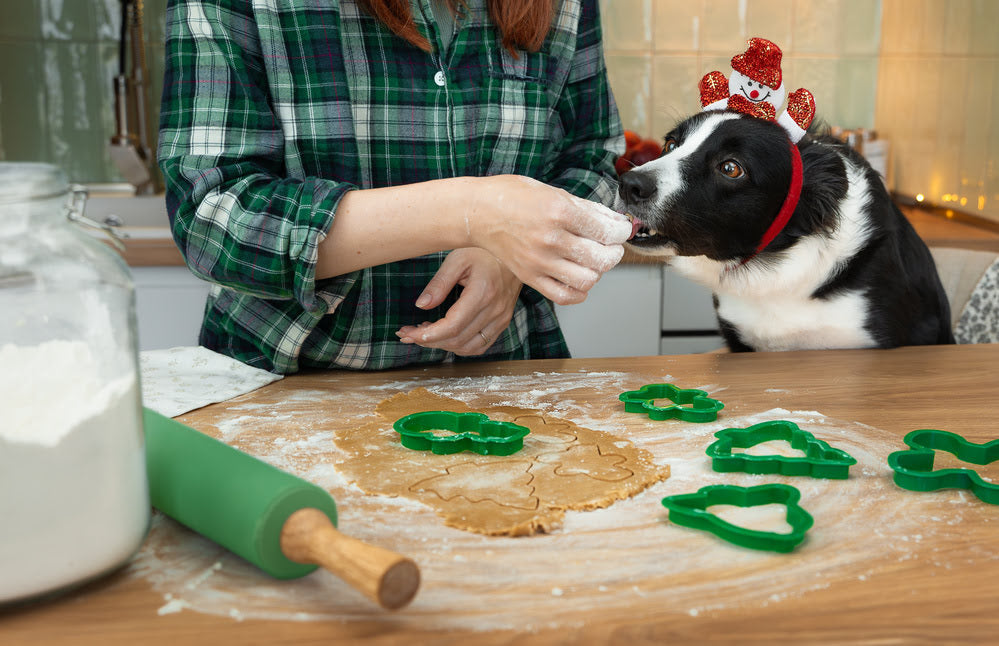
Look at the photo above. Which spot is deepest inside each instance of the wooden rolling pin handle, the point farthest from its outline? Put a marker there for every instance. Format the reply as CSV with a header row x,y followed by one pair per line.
x,y
387,578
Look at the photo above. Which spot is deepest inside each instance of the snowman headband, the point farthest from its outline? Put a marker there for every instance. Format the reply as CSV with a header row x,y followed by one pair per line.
x,y
756,88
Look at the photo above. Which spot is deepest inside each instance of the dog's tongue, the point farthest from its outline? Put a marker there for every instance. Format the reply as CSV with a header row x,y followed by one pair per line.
x,y
636,225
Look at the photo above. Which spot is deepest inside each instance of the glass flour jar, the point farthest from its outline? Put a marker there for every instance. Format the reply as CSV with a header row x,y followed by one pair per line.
x,y
74,500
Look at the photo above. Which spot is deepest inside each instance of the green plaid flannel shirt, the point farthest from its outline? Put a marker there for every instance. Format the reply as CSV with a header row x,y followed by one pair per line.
x,y
273,109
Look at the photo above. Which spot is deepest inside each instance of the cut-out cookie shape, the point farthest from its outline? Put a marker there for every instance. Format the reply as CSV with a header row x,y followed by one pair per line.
x,y
445,432
914,467
476,482
690,510
689,405
555,433
820,459
587,460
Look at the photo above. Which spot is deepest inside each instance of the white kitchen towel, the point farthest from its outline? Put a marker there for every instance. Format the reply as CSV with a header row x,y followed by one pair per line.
x,y
179,380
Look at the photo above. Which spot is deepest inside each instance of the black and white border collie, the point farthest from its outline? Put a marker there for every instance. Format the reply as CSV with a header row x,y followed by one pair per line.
x,y
846,270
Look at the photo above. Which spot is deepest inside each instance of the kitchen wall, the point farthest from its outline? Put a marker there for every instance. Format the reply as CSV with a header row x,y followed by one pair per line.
x,y
923,73
938,100
658,50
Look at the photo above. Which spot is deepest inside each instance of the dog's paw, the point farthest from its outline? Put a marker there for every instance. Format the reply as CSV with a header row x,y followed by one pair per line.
x,y
713,87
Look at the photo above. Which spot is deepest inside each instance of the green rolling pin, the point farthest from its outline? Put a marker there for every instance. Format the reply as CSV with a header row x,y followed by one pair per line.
x,y
277,521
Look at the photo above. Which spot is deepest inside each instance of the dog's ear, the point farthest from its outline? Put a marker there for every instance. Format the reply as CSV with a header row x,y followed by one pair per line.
x,y
824,185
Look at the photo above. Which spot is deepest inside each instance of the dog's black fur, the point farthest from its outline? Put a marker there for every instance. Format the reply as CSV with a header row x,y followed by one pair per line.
x,y
846,238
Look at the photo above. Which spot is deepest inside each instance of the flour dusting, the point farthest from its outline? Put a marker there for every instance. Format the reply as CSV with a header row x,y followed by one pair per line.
x,y
621,557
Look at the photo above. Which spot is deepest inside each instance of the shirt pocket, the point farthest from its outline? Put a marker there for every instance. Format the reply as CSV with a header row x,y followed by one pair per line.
x,y
527,67
522,121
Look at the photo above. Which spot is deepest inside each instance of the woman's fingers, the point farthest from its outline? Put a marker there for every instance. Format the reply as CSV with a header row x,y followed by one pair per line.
x,y
482,311
596,222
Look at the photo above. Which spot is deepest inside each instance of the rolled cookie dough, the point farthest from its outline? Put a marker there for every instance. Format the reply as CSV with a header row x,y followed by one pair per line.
x,y
562,466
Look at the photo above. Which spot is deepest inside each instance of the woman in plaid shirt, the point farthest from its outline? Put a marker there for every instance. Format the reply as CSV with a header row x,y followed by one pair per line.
x,y
375,183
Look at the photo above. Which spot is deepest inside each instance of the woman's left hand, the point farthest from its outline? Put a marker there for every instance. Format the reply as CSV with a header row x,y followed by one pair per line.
x,y
481,313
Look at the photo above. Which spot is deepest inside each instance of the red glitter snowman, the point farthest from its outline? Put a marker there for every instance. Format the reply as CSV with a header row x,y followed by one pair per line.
x,y
756,87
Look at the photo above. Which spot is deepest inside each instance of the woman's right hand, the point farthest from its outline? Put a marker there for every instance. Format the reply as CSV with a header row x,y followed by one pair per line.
x,y
553,241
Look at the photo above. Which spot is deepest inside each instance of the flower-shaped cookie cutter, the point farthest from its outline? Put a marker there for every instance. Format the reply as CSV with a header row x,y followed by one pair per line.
x,y
689,405
445,432
691,510
820,459
913,467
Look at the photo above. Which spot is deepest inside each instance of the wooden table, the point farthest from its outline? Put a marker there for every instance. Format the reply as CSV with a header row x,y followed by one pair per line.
x,y
881,565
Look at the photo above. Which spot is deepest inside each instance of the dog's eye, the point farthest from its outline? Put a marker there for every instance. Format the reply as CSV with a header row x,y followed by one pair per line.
x,y
730,169
670,145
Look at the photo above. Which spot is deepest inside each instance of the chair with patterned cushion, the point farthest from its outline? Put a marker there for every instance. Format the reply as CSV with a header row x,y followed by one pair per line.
x,y
971,280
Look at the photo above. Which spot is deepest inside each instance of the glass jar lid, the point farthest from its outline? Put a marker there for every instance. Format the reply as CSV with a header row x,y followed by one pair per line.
x,y
25,181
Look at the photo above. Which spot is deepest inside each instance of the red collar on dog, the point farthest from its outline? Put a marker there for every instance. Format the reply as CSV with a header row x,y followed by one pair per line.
x,y
786,209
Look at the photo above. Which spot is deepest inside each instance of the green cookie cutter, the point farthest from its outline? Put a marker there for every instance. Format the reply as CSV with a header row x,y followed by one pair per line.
x,y
913,467
690,510
468,432
689,405
820,459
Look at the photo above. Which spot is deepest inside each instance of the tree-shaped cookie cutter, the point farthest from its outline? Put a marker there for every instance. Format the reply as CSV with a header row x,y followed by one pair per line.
x,y
913,467
689,405
690,510
446,432
820,459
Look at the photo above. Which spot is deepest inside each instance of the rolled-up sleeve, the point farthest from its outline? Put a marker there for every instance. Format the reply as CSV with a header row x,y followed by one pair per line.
x,y
240,218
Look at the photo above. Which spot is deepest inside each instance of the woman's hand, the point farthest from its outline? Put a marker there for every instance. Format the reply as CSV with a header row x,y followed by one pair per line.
x,y
550,239
553,241
481,313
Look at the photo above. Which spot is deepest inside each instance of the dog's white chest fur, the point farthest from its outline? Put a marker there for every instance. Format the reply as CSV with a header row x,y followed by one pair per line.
x,y
773,311
771,305
794,324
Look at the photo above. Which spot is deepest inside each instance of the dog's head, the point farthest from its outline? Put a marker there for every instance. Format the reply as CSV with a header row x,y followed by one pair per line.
x,y
718,186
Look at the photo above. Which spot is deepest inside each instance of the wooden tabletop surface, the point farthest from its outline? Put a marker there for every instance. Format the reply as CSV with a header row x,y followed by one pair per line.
x,y
881,565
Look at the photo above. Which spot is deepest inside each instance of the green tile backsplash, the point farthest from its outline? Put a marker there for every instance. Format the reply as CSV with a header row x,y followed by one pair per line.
x,y
57,62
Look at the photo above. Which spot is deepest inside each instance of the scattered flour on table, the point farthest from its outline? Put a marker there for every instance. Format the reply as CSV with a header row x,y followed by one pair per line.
x,y
626,558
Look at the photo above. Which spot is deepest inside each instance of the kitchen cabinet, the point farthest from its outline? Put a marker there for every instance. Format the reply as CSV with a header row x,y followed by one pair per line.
x,y
620,316
641,310
169,304
688,317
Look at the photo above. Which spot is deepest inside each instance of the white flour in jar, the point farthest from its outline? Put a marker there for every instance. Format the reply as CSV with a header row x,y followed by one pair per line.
x,y
73,493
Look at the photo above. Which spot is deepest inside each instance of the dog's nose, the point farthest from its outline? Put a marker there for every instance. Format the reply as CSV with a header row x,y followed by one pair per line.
x,y
636,187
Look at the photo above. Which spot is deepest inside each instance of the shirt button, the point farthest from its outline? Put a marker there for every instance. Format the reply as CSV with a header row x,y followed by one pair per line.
x,y
440,79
